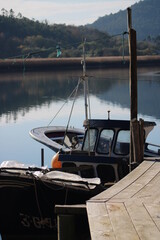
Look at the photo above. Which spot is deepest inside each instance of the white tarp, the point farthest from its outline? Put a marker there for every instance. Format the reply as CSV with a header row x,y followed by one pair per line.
x,y
52,175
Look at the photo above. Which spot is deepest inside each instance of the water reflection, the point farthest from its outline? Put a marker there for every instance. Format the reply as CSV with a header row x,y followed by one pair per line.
x,y
20,94
31,100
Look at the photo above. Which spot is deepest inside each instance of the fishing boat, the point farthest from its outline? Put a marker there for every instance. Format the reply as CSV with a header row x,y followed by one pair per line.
x,y
102,146
29,196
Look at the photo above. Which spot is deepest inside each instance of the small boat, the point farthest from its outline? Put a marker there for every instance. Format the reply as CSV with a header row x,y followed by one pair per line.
x,y
29,195
102,147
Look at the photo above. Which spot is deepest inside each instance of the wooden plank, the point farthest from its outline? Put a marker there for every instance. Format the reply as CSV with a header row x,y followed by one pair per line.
x,y
151,190
121,222
140,183
130,209
99,222
143,223
154,211
124,183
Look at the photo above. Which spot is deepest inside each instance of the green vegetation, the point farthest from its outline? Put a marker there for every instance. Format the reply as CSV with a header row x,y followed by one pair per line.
x,y
145,19
22,36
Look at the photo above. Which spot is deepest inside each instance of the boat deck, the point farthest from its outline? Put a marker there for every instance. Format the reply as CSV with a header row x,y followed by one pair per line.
x,y
131,208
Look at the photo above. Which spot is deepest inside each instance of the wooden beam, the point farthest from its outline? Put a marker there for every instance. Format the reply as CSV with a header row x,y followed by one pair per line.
x,y
133,73
132,80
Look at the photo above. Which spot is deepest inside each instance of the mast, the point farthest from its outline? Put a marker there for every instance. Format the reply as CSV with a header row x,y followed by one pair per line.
x,y
85,79
86,97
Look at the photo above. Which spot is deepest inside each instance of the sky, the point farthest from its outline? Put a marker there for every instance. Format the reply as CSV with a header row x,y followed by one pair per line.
x,y
74,12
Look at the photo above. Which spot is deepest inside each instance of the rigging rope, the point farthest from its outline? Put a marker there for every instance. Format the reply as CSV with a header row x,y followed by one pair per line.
x,y
75,89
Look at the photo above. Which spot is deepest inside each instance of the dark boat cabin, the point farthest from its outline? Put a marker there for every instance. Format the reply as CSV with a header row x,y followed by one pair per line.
x,y
107,137
104,152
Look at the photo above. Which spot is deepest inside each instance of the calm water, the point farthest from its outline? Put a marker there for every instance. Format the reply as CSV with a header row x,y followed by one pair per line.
x,y
31,100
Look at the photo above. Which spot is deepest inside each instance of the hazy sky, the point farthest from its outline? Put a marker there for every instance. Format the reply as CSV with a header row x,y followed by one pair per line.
x,y
76,12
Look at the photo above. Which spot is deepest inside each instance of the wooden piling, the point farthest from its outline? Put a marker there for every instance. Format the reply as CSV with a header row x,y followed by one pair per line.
x,y
133,88
42,157
137,130
72,222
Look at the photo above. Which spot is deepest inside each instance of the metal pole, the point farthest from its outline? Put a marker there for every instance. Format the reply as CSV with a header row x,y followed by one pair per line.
x,y
42,157
86,92
85,81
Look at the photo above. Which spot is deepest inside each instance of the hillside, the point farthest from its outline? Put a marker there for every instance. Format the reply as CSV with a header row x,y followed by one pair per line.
x,y
21,37
145,20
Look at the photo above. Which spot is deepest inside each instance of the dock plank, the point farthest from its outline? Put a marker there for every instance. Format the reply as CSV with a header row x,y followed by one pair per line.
x,y
140,182
142,220
99,222
124,183
151,190
131,208
119,218
154,211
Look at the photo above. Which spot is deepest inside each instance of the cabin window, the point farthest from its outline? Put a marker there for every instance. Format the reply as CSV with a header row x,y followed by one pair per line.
x,y
122,143
90,140
105,141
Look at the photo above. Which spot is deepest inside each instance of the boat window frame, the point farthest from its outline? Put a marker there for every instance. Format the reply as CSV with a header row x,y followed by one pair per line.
x,y
112,142
85,136
114,149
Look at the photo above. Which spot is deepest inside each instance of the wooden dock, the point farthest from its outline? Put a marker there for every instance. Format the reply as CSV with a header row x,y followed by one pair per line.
x,y
130,210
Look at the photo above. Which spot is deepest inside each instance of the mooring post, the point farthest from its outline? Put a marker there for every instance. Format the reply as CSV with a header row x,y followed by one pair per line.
x,y
72,222
132,81
42,157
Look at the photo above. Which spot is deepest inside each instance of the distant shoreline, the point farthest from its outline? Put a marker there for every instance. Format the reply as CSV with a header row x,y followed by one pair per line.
x,y
46,64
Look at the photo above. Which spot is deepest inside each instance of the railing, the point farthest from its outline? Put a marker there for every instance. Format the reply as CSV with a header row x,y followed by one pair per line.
x,y
152,148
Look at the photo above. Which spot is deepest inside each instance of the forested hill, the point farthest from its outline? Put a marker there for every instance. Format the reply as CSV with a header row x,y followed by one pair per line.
x,y
145,20
22,36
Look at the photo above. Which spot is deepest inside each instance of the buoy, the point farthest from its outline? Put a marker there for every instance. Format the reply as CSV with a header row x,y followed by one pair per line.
x,y
55,163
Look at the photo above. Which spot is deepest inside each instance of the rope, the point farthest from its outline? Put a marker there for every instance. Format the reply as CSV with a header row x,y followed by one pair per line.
x,y
123,49
36,196
89,102
75,89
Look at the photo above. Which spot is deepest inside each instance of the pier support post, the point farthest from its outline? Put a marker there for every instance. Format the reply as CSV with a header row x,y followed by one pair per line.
x,y
137,133
133,90
66,227
72,222
42,157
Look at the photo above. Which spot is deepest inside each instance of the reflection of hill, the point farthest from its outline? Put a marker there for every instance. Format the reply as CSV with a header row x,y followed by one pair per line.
x,y
148,95
20,91
35,89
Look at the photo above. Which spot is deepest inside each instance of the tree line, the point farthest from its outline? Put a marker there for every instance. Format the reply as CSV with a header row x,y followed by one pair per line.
x,y
23,37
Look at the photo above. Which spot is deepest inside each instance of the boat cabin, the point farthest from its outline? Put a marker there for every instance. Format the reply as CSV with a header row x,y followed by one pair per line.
x,y
104,152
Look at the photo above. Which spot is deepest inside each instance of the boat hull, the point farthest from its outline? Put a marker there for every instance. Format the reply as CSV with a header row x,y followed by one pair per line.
x,y
53,136
27,204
